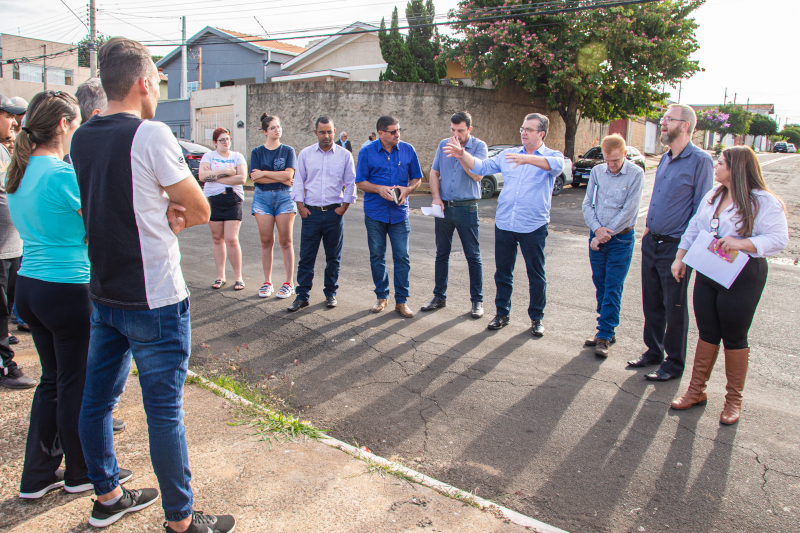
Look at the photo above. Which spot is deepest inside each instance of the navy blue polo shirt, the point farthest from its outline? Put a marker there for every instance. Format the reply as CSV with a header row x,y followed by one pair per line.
x,y
398,167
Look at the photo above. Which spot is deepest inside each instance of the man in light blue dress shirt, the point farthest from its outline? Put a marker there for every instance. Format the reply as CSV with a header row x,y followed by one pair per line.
x,y
523,213
324,187
457,191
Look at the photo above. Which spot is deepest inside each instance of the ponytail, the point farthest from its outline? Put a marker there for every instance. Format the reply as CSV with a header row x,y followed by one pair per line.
x,y
42,120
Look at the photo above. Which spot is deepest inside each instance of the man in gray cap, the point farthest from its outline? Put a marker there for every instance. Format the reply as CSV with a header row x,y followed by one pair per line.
x,y
20,103
10,252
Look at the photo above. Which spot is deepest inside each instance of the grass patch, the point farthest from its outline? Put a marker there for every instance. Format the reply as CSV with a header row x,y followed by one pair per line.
x,y
269,423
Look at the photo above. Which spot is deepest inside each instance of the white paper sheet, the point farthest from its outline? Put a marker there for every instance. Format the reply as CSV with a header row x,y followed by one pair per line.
x,y
433,210
710,264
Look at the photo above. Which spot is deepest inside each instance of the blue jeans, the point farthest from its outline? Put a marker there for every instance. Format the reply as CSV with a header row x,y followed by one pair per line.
x,y
328,227
376,240
465,220
610,267
159,340
505,256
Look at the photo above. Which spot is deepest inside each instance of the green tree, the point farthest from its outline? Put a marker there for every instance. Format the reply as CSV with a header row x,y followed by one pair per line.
x,y
738,118
83,49
762,125
416,57
600,64
791,135
395,52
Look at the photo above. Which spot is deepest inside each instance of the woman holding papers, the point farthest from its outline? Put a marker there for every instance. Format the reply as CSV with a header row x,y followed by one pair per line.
x,y
744,217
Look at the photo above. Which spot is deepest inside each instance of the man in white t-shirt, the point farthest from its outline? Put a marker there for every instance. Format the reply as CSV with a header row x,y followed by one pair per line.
x,y
129,171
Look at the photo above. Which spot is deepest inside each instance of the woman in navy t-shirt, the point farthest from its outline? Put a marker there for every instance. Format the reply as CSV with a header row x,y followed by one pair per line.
x,y
272,167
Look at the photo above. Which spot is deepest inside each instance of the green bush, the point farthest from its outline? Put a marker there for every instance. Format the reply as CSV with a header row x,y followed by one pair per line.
x,y
718,148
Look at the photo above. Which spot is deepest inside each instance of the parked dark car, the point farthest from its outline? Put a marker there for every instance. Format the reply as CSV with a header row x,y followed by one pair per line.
x,y
780,146
193,153
586,162
492,183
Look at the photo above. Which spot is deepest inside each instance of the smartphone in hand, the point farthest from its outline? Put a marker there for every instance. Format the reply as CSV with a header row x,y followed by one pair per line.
x,y
729,257
396,195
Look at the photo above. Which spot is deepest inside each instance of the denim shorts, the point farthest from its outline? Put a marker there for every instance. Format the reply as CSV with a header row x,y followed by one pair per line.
x,y
273,203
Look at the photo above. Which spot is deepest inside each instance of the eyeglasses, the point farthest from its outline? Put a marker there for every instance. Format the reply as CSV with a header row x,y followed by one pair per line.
x,y
224,140
670,120
528,130
394,132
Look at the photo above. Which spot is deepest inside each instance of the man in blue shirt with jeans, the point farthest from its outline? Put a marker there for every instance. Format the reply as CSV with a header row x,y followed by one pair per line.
x,y
523,212
456,191
386,169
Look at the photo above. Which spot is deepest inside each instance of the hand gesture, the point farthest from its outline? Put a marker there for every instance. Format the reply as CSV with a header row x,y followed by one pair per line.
x,y
453,148
341,210
518,159
386,193
177,223
438,202
404,192
595,244
303,210
730,244
603,234
678,270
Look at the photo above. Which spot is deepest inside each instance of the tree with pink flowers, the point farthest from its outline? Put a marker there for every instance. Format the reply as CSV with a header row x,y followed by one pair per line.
x,y
586,62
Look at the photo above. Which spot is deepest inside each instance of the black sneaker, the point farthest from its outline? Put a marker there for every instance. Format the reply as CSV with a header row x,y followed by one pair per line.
x,y
131,501
124,475
208,523
56,483
15,379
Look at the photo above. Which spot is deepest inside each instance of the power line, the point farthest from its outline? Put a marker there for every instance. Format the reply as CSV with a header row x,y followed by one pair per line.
x,y
76,16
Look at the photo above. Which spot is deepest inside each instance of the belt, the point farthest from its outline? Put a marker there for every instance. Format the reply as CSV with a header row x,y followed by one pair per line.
x,y
663,238
625,231
459,203
324,207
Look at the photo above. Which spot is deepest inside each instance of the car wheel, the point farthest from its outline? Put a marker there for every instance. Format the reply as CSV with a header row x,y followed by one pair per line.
x,y
558,185
487,188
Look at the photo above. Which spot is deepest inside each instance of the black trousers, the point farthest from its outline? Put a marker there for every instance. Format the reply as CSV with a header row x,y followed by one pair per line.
x,y
727,314
58,315
665,304
8,281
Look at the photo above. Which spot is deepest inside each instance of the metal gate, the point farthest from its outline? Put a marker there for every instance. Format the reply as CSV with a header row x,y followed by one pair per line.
x,y
650,138
207,119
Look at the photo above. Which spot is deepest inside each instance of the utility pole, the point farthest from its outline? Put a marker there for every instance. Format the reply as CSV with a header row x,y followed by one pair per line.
x,y
725,100
184,75
44,65
199,68
748,104
680,88
92,41
734,98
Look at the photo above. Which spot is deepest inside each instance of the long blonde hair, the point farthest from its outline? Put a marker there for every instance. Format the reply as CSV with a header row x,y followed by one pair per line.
x,y
746,177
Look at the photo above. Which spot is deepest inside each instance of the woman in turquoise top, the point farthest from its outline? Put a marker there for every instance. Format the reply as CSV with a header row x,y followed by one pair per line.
x,y
52,289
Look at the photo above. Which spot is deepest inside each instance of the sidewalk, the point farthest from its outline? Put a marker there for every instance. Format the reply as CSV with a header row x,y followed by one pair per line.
x,y
295,487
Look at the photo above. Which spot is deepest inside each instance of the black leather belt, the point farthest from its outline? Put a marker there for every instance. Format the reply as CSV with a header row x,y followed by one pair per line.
x,y
663,238
323,208
459,203
625,231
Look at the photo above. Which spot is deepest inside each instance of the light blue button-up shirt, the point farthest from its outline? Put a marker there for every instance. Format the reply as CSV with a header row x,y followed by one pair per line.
x,y
322,176
524,202
455,185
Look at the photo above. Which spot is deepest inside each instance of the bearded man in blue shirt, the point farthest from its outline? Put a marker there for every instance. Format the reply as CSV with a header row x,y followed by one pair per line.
x,y
523,213
388,171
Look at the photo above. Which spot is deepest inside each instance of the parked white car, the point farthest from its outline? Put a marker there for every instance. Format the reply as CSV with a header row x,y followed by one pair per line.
x,y
792,149
493,183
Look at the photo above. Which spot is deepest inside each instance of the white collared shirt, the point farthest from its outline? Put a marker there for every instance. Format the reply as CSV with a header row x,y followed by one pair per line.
x,y
770,228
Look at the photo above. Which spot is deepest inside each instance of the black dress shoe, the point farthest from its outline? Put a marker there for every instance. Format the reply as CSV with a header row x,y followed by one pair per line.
x,y
659,375
297,305
499,322
642,362
477,309
13,340
330,301
537,328
435,303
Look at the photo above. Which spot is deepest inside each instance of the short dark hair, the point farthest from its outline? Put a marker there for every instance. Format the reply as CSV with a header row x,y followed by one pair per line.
x,y
91,96
266,119
372,136
462,117
544,122
123,61
322,120
384,122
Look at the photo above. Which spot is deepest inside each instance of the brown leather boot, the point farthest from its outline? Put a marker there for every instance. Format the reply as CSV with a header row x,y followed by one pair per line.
x,y
404,310
705,355
379,306
736,371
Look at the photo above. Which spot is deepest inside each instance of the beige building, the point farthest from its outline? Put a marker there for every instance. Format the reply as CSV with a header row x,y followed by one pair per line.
x,y
24,75
353,54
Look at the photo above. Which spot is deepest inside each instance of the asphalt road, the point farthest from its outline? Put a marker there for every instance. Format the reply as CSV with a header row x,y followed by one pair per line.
x,y
539,425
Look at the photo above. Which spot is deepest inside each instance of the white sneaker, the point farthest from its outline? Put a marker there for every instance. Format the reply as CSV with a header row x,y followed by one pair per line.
x,y
266,290
285,291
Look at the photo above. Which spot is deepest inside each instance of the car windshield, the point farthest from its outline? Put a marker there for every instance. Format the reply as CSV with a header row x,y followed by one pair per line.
x,y
594,153
192,147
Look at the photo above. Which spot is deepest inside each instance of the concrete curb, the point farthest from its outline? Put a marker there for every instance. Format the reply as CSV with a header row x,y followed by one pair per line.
x,y
499,511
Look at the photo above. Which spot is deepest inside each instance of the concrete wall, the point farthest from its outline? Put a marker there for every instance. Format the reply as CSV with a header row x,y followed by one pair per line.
x,y
175,113
423,110
224,96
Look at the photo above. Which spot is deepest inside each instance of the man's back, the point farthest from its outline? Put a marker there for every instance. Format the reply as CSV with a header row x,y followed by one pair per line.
x,y
123,163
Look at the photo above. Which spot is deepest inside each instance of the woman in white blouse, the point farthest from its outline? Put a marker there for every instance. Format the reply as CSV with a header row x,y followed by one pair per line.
x,y
747,218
